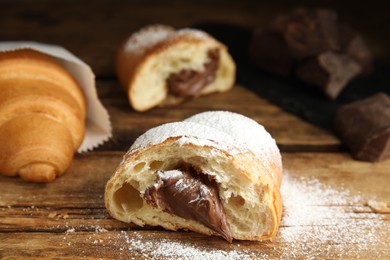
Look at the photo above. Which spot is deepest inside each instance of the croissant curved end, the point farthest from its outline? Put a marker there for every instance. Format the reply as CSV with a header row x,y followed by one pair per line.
x,y
38,172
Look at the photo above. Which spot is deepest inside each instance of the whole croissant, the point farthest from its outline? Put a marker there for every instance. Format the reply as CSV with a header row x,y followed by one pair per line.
x,y
42,116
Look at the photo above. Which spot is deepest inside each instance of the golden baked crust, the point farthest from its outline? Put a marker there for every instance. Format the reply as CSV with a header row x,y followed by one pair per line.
x,y
42,116
145,61
248,179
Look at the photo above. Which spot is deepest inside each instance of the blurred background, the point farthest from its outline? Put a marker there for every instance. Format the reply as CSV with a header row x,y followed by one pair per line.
x,y
93,29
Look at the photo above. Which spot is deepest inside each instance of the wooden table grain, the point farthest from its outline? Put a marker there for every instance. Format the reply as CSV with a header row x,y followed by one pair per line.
x,y
67,219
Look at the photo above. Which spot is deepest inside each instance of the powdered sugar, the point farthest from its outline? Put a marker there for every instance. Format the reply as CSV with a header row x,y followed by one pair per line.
x,y
182,185
148,37
70,230
170,174
188,133
204,190
243,130
224,130
168,249
315,215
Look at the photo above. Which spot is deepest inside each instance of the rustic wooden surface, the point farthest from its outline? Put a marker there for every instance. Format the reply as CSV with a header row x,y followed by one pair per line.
x,y
67,218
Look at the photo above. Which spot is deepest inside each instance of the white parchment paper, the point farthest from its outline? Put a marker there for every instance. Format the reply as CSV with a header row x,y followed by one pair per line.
x,y
98,125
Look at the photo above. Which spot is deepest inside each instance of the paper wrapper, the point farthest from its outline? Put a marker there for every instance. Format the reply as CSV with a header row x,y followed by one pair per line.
x,y
98,125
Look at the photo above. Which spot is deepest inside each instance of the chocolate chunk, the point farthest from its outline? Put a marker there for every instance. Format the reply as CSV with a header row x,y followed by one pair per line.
x,y
310,32
189,194
268,50
315,46
187,83
329,71
364,126
354,46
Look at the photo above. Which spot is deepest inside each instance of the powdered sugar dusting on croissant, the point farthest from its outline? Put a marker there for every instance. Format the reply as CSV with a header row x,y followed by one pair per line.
x,y
148,37
242,129
188,133
194,33
222,129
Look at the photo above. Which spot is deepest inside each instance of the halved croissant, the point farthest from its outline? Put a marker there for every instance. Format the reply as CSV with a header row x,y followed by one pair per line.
x,y
217,173
42,116
159,65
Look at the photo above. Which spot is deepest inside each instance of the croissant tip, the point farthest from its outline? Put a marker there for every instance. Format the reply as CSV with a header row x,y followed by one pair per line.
x,y
38,172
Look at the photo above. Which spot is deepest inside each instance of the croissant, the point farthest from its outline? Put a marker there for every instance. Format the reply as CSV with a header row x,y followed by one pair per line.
x,y
42,116
216,173
159,65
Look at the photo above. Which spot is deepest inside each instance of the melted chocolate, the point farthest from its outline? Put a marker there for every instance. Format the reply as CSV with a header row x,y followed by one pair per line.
x,y
188,83
189,194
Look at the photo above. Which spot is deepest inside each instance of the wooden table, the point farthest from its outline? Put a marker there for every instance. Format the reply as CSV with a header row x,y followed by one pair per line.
x,y
67,218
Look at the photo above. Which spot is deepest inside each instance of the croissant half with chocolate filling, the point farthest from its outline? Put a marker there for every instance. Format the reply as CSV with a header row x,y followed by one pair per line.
x,y
159,65
42,116
216,173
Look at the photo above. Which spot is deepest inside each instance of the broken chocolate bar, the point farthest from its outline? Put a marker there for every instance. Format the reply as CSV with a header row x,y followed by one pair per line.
x,y
310,32
315,46
364,126
329,71
354,46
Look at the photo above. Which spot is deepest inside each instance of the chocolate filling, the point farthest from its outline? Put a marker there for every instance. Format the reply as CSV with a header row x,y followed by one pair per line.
x,y
187,83
190,194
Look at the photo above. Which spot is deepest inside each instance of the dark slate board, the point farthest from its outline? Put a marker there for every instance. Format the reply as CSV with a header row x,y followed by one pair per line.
x,y
289,93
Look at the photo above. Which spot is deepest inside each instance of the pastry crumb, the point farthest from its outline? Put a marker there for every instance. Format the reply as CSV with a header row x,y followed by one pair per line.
x,y
52,214
379,206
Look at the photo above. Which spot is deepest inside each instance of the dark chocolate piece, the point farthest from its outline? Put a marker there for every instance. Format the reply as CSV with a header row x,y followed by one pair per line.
x,y
187,83
364,126
329,71
313,44
310,32
354,46
190,194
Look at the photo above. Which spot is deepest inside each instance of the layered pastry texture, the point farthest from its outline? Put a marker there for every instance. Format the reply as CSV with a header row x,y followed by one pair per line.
x,y
217,173
42,116
159,65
